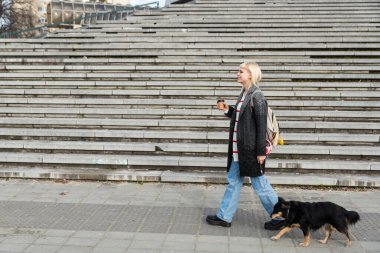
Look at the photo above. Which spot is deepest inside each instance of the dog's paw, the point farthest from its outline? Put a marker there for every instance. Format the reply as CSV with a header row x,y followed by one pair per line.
x,y
322,241
303,244
274,238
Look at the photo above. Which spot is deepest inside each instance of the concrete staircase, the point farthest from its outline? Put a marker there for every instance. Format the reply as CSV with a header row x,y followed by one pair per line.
x,y
141,93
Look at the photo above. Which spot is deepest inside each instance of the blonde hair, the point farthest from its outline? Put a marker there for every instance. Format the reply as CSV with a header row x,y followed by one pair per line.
x,y
254,69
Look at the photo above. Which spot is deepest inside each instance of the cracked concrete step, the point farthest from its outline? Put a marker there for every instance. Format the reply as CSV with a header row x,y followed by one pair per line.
x,y
182,135
274,4
180,34
284,2
272,9
130,86
152,30
186,40
334,18
189,92
180,61
218,17
218,177
185,135
183,123
120,32
190,98
210,13
306,12
264,23
106,50
204,103
224,68
192,52
173,62
118,35
181,76
252,22
285,114
175,161
73,146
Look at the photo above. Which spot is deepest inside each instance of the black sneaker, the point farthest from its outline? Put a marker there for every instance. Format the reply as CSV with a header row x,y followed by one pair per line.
x,y
274,224
214,220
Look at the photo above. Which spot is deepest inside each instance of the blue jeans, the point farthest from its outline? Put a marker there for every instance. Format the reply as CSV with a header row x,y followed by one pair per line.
x,y
230,200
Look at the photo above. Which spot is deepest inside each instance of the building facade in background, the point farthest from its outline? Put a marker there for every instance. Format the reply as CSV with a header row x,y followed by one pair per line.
x,y
42,6
42,11
123,2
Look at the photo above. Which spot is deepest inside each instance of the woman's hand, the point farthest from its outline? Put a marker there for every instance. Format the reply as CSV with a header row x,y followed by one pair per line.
x,y
261,159
221,105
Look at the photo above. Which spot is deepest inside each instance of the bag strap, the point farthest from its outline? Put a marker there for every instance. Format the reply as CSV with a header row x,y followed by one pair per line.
x,y
251,99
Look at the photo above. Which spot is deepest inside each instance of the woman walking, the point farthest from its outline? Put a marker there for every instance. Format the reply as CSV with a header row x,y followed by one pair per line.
x,y
246,149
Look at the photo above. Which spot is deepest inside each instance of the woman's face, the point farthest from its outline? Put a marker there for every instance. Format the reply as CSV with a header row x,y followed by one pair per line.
x,y
244,76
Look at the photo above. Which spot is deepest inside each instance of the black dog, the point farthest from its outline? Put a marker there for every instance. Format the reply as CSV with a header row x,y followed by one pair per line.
x,y
311,216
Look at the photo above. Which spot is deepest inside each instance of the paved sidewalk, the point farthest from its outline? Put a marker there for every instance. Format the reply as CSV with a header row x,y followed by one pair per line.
x,y
44,216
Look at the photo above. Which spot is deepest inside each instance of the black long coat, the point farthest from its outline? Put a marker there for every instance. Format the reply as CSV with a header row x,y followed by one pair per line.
x,y
251,133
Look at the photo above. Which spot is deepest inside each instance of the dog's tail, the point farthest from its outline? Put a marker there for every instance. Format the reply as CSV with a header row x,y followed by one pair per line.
x,y
352,217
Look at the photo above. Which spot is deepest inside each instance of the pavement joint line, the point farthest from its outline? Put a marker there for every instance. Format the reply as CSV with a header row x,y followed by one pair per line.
x,y
141,225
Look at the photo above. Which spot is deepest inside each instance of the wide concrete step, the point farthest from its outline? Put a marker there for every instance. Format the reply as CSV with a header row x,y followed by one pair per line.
x,y
201,53
211,61
285,2
301,114
170,86
353,152
172,135
183,34
241,12
270,44
271,8
265,14
260,15
109,133
173,62
224,30
190,92
201,88
189,37
279,32
189,124
277,3
179,162
186,42
185,76
177,36
266,67
268,9
253,21
115,33
186,103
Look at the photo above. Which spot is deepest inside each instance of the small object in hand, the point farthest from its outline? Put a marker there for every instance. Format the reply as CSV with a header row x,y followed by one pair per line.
x,y
281,141
220,104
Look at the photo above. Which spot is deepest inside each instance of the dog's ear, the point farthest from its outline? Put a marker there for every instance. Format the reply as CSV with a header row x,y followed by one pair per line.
x,y
285,205
281,200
